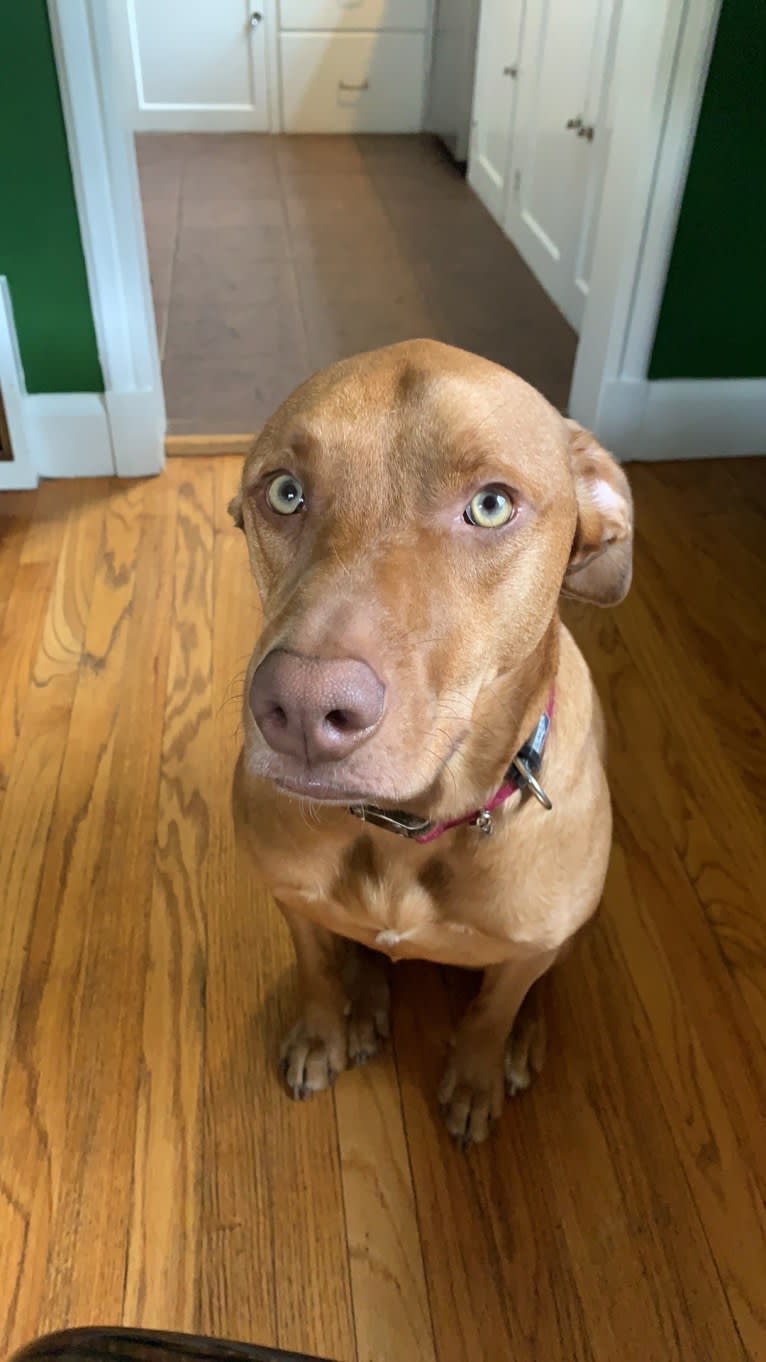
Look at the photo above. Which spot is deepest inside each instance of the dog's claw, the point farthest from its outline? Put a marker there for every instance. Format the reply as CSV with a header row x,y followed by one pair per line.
x,y
310,1063
524,1054
366,1034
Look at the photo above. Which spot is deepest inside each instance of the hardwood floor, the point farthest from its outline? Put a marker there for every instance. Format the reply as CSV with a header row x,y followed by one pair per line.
x,y
152,1173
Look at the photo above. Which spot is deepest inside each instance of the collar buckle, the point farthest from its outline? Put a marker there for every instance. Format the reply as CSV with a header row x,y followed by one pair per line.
x,y
405,824
483,822
526,780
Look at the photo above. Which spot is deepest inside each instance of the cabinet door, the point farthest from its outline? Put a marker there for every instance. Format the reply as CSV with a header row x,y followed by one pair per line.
x,y
598,116
196,65
556,171
494,98
352,82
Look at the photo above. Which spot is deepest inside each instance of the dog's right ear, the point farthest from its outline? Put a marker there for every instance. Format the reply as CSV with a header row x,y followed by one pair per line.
x,y
235,511
601,561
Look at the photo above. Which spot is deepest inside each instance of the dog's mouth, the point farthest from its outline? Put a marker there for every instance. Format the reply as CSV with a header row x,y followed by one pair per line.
x,y
319,790
318,785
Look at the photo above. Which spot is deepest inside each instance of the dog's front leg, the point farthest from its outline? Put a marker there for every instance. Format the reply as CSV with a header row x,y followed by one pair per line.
x,y
345,1000
473,1086
314,1052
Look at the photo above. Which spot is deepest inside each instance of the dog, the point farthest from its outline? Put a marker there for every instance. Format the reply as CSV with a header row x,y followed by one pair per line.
x,y
422,771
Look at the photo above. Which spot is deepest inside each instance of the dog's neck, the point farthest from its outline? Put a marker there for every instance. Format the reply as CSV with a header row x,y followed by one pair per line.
x,y
505,714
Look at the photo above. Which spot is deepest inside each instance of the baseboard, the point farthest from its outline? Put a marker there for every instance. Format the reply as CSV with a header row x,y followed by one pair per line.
x,y
18,472
169,119
190,446
137,430
68,435
683,418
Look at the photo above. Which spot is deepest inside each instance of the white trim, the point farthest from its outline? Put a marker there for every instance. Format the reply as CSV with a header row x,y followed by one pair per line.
x,y
19,471
684,418
111,225
660,67
273,66
69,434
179,118
688,87
53,435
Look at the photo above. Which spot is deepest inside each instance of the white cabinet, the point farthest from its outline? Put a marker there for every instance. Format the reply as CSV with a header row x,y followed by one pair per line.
x,y
497,62
193,65
352,82
328,66
540,138
352,65
353,14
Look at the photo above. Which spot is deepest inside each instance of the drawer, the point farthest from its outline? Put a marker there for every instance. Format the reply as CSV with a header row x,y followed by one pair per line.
x,y
352,82
353,14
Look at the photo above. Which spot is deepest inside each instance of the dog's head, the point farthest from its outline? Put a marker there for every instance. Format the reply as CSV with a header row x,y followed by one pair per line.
x,y
411,517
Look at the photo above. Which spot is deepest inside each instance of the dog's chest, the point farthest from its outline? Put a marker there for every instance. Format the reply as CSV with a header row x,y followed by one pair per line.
x,y
407,907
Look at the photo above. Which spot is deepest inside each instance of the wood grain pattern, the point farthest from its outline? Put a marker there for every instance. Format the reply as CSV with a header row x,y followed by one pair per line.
x,y
151,1170
202,446
164,1245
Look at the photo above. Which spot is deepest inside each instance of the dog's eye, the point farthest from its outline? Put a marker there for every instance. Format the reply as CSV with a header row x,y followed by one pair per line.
x,y
489,509
285,494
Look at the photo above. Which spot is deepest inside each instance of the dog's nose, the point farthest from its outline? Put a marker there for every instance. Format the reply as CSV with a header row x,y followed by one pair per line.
x,y
315,710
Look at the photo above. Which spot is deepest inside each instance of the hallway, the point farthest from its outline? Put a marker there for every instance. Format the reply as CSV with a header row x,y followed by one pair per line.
x,y
273,256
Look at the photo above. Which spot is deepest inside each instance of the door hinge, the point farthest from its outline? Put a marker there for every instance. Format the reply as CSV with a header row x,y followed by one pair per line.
x,y
517,181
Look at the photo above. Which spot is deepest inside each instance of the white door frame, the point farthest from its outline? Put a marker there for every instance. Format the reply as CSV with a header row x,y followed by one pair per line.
x,y
122,429
661,61
20,470
662,58
111,224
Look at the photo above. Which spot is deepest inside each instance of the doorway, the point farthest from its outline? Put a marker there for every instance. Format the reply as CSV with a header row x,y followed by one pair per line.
x,y
272,256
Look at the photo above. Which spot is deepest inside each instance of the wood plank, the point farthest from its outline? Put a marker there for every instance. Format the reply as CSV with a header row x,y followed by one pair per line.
x,y
25,816
237,1272
391,1310
28,813
122,689
706,799
164,1257
16,515
20,633
671,772
471,1316
708,1044
203,446
711,620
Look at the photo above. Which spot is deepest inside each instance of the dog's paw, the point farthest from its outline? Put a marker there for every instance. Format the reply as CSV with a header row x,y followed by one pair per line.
x,y
366,982
524,1053
368,1028
471,1099
310,1061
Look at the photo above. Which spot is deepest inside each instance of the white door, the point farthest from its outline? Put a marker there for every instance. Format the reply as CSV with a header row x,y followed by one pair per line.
x,y
497,62
194,65
559,144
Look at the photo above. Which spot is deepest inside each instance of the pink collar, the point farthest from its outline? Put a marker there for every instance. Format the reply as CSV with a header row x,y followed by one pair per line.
x,y
521,775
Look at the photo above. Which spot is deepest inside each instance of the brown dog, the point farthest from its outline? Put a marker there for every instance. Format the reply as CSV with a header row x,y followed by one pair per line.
x,y
412,516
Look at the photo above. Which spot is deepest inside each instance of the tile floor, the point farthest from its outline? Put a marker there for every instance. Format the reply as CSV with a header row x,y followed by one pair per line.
x,y
272,256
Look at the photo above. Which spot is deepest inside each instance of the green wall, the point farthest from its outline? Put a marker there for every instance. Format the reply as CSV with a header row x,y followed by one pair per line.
x,y
712,322
40,246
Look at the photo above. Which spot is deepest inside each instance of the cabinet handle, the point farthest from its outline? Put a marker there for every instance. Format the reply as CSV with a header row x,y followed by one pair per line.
x,y
511,71
256,18
342,85
573,122
586,132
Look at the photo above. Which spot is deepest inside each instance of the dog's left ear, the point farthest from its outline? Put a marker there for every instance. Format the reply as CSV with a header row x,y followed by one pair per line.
x,y
601,563
235,511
